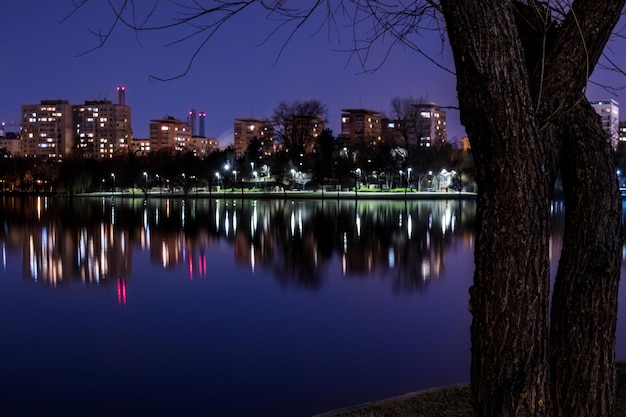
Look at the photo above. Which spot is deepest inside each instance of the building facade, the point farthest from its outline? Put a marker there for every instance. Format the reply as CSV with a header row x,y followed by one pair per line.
x,y
47,129
103,129
170,135
245,130
609,113
10,145
361,126
431,125
424,126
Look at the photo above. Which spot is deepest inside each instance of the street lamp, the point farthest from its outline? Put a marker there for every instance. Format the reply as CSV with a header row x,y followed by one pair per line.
x,y
145,176
254,174
408,176
113,176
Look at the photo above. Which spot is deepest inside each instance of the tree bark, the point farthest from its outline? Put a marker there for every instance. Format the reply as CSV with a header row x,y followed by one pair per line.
x,y
523,114
509,299
584,306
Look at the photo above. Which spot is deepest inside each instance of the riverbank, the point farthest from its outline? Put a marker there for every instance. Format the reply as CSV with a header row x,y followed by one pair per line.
x,y
287,194
452,401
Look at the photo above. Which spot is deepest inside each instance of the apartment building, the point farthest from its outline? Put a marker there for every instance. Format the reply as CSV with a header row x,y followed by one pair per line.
x,y
361,126
245,130
102,129
424,125
10,145
609,113
431,125
170,135
53,129
47,129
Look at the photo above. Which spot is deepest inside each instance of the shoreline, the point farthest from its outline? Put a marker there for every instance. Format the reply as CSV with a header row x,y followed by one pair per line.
x,y
291,195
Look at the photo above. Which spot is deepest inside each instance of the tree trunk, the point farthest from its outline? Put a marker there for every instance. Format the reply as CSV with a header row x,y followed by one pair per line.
x,y
509,299
584,306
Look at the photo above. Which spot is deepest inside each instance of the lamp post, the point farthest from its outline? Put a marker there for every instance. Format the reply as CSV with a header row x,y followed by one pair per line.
x,y
408,179
160,185
113,176
145,176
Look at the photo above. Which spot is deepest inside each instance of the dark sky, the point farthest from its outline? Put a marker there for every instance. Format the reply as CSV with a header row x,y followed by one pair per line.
x,y
236,75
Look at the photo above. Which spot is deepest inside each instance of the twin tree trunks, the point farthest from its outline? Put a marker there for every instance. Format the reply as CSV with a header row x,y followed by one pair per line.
x,y
520,80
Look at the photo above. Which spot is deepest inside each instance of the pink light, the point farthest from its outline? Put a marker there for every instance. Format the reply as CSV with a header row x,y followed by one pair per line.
x,y
121,290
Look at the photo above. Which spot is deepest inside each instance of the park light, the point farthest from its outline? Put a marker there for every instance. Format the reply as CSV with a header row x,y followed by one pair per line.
x,y
145,176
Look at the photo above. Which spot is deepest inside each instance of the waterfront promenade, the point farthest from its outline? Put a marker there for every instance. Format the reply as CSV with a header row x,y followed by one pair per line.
x,y
288,194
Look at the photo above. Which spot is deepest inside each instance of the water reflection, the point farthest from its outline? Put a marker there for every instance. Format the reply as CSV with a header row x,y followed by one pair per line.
x,y
300,242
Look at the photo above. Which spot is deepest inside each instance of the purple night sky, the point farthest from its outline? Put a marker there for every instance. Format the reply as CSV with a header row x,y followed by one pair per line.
x,y
234,76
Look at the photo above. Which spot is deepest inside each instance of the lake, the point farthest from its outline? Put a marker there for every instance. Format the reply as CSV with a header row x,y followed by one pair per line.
x,y
225,307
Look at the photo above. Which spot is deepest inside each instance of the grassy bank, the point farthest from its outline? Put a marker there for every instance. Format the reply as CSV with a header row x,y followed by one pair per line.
x,y
447,402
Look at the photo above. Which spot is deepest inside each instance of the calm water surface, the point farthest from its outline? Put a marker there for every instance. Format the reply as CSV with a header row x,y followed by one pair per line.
x,y
231,308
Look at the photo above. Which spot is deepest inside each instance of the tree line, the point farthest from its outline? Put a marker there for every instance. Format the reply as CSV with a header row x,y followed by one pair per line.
x,y
330,163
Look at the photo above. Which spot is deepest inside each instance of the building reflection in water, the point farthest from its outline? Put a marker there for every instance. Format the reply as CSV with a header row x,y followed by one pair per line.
x,y
93,240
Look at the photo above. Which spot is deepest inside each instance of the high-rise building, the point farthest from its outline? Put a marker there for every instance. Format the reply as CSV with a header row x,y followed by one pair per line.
x,y
96,129
245,130
102,128
361,126
170,134
47,129
431,126
424,125
609,112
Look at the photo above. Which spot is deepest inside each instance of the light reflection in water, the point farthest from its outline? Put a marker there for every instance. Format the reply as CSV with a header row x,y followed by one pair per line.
x,y
362,235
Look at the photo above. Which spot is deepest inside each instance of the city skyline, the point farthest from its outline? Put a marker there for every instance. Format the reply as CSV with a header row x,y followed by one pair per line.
x,y
239,74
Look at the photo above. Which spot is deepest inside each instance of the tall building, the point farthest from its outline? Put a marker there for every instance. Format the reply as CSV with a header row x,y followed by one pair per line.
x,y
609,112
47,129
431,126
170,134
103,129
247,129
96,129
361,126
424,125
